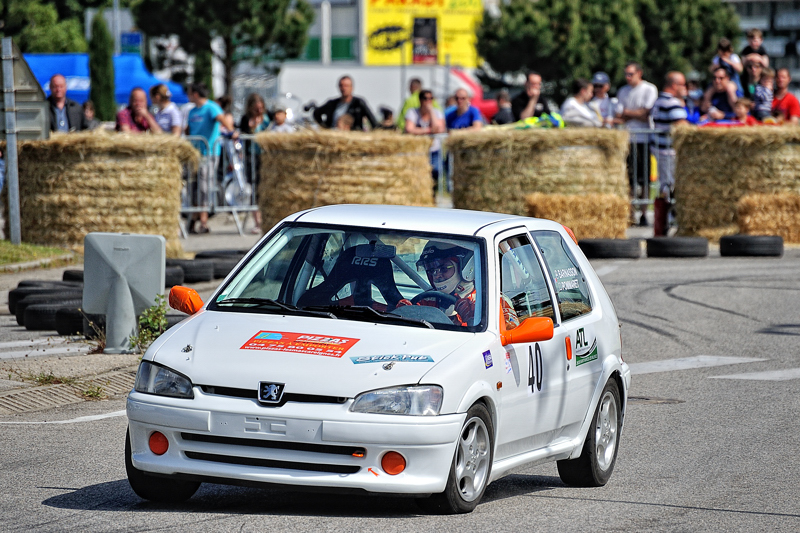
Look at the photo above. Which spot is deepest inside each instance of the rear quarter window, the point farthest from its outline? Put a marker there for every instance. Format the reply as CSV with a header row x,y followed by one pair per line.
x,y
571,289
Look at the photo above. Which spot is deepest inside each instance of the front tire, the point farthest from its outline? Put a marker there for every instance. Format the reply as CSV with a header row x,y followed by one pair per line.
x,y
472,464
596,463
153,488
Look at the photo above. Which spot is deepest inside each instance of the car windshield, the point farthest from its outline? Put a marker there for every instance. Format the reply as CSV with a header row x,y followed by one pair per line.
x,y
345,273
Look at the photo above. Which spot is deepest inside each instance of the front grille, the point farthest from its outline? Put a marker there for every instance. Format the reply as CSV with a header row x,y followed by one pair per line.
x,y
252,394
272,463
352,451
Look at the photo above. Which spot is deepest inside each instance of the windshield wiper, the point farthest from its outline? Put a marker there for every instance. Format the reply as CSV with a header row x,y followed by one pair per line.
x,y
368,313
268,302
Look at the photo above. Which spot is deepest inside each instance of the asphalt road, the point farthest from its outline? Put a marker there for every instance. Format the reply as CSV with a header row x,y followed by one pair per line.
x,y
709,442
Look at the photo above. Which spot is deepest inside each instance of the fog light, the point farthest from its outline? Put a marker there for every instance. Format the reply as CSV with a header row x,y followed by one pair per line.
x,y
158,443
393,463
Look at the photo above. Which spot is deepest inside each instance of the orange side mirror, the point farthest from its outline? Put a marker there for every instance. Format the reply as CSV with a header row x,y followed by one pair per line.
x,y
185,300
532,329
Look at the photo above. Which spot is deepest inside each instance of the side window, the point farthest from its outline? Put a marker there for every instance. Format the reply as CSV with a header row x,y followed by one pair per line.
x,y
570,285
522,282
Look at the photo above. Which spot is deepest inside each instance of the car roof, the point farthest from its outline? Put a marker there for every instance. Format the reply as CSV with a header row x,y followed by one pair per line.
x,y
424,219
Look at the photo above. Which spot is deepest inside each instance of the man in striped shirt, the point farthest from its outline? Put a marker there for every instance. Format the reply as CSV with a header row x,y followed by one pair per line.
x,y
668,110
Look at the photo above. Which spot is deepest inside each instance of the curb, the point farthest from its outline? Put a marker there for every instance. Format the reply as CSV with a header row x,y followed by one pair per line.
x,y
32,265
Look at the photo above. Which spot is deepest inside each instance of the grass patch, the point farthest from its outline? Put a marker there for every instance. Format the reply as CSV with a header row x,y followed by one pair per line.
x,y
49,379
93,392
21,253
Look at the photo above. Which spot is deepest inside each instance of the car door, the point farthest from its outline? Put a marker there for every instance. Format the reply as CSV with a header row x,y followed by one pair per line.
x,y
532,403
578,325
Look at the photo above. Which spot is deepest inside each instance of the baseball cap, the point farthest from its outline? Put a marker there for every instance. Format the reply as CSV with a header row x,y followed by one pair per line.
x,y
600,78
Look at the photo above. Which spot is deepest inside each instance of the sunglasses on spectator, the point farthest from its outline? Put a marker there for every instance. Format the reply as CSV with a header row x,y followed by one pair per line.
x,y
720,77
461,98
426,98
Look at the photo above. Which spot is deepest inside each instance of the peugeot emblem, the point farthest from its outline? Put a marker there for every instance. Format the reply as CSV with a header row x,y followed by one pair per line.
x,y
271,393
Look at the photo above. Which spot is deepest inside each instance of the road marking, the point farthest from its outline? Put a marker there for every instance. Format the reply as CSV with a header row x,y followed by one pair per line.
x,y
769,375
90,418
686,363
37,352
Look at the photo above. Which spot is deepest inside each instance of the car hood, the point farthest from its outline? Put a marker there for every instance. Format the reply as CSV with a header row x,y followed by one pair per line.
x,y
309,355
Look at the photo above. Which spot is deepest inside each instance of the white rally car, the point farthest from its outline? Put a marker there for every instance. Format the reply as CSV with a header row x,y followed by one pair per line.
x,y
394,350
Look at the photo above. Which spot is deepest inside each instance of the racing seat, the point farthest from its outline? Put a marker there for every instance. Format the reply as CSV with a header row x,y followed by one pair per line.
x,y
362,267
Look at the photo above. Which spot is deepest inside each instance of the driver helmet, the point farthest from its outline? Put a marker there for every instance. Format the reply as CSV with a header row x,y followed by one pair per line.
x,y
449,267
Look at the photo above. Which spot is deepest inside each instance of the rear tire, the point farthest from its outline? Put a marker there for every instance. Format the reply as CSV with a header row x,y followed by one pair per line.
x,y
596,463
471,467
156,488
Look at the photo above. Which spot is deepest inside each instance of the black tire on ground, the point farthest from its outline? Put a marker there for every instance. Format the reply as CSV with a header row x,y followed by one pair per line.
x,y
43,298
222,254
677,247
48,283
15,295
72,275
173,275
194,270
611,248
156,488
223,266
751,245
42,317
94,326
596,463
69,321
462,495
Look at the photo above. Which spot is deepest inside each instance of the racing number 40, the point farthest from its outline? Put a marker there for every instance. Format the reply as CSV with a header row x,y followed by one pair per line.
x,y
535,368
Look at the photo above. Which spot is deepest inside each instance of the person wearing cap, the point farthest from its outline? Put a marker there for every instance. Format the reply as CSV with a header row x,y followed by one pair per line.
x,y
601,84
168,115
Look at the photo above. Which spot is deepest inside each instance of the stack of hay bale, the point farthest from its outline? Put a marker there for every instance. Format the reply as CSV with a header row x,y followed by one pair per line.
x,y
79,183
315,168
574,176
738,180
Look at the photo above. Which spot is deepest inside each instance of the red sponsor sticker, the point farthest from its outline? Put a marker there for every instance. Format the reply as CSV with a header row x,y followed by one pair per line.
x,y
282,341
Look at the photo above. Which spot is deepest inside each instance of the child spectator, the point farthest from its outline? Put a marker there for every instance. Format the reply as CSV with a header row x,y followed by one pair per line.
x,y
88,113
763,95
345,122
504,114
742,111
726,59
279,124
755,47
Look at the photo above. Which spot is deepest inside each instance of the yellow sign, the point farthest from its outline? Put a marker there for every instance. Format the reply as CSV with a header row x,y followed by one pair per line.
x,y
421,32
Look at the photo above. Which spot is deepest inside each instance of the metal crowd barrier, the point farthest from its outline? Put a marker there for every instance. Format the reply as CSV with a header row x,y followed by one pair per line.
x,y
226,179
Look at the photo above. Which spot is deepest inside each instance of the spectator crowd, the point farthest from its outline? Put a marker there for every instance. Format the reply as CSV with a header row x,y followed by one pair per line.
x,y
743,91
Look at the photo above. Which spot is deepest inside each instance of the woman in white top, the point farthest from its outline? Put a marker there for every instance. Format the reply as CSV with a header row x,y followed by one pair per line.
x,y
576,111
427,120
168,115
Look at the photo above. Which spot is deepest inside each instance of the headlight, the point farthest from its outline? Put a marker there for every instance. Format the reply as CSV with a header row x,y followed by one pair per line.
x,y
155,379
422,400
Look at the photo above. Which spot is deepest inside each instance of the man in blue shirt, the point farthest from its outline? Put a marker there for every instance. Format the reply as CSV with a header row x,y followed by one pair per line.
x,y
204,121
464,116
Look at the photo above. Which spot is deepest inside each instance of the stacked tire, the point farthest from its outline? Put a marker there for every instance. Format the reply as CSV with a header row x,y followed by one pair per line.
x,y
36,304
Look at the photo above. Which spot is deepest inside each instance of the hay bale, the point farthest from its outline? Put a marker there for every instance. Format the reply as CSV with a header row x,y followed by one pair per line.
x,y
494,169
75,184
314,168
770,214
601,216
716,167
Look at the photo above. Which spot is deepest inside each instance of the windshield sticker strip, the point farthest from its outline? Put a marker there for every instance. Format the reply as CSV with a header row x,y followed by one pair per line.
x,y
399,358
282,341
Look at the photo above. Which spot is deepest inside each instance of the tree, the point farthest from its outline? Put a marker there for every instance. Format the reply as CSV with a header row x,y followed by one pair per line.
x,y
684,35
101,69
562,39
36,27
565,39
274,30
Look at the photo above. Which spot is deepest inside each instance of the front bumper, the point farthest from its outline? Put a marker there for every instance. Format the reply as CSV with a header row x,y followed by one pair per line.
x,y
301,444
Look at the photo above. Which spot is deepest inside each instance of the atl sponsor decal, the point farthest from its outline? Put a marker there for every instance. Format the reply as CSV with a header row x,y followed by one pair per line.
x,y
283,341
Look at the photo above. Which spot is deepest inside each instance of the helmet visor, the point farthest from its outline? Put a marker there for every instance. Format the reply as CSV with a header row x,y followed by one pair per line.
x,y
440,269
